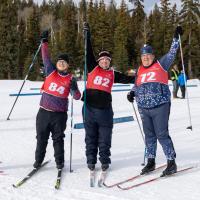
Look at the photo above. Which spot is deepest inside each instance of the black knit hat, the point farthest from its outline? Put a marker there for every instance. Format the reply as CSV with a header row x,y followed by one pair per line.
x,y
64,57
104,54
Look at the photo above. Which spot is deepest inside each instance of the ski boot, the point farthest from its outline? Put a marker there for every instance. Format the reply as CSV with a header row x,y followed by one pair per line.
x,y
60,165
37,164
104,167
91,167
171,168
150,166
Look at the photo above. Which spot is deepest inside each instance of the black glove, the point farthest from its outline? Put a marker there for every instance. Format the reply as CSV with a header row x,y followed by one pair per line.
x,y
178,31
44,36
74,85
130,96
86,26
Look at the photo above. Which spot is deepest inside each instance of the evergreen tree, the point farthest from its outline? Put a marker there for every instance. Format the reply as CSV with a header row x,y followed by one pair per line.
x,y
68,29
112,28
22,49
166,28
120,55
112,16
189,16
103,34
32,42
155,36
8,39
137,30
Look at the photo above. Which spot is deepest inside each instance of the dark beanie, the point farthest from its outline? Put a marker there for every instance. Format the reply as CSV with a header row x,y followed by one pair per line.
x,y
104,54
64,57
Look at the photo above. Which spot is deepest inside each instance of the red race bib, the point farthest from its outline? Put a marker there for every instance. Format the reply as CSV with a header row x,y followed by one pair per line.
x,y
57,85
100,79
155,73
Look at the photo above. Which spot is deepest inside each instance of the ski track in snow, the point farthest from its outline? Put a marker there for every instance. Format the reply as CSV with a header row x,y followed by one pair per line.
x,y
17,146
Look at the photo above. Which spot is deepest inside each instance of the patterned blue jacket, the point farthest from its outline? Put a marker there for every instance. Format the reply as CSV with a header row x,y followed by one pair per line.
x,y
150,95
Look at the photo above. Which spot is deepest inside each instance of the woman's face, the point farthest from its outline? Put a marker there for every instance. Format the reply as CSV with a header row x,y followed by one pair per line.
x,y
62,65
147,59
104,62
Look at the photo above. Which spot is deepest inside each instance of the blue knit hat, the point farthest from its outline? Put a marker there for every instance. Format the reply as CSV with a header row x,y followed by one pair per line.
x,y
146,49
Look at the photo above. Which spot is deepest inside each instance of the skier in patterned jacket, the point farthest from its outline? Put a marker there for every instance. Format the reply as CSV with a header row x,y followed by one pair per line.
x,y
97,109
153,98
52,115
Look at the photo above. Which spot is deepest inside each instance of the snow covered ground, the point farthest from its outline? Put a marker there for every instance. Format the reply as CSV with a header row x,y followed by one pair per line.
x,y
17,146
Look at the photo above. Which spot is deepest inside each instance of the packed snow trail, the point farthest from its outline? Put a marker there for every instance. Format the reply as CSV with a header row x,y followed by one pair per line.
x,y
17,148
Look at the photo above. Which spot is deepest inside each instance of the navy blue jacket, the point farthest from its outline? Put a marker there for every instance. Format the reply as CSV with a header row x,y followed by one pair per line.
x,y
150,95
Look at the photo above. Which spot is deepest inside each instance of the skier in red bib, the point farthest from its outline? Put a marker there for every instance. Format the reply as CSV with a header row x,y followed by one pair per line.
x,y
52,115
97,109
153,98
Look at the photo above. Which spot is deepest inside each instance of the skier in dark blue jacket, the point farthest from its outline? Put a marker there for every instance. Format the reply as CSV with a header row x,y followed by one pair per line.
x,y
153,98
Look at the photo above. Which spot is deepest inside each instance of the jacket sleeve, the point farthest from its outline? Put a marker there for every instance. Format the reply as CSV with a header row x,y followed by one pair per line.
x,y
91,61
167,60
49,67
122,78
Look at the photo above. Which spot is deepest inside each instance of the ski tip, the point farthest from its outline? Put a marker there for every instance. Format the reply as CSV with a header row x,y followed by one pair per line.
x,y
57,187
104,184
15,186
189,127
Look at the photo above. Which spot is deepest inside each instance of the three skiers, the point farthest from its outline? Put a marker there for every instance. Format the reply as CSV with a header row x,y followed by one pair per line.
x,y
151,92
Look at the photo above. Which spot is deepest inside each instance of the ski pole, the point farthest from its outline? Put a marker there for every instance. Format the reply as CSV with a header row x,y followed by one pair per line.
x,y
85,58
85,74
30,67
186,90
142,134
72,114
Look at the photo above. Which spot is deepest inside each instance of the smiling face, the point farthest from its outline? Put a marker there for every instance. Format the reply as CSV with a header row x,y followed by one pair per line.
x,y
147,59
104,62
62,65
